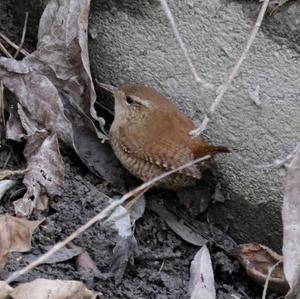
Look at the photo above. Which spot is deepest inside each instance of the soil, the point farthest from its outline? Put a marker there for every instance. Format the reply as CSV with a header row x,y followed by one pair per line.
x,y
162,264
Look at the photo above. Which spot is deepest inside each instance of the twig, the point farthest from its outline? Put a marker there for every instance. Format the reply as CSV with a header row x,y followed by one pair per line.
x,y
105,108
2,117
24,52
23,35
270,270
4,50
100,216
275,164
169,15
2,103
234,72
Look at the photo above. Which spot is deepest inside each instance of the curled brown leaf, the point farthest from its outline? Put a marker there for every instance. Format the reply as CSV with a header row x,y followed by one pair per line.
x,y
257,259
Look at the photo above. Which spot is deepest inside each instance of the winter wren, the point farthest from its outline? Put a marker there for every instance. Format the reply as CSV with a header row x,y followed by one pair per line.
x,y
149,135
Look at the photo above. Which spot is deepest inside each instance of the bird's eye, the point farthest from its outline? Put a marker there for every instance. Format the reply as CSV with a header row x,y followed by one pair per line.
x,y
129,100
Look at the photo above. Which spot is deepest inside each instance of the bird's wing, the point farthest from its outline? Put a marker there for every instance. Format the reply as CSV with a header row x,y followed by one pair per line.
x,y
160,149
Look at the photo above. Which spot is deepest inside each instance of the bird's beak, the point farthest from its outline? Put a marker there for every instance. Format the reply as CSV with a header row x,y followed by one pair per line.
x,y
107,87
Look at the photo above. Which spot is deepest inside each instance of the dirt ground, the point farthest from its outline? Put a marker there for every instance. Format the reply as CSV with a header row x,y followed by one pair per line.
x,y
161,267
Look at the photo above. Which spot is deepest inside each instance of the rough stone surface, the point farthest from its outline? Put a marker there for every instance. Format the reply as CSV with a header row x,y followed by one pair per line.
x,y
132,42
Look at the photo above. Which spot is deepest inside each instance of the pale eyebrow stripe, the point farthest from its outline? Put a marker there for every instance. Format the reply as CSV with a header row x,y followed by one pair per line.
x,y
141,101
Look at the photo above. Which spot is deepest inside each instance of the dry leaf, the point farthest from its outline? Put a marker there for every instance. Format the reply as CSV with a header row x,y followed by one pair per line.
x,y
16,234
14,129
182,230
126,247
8,173
45,174
189,229
291,227
54,86
274,5
84,261
123,253
53,289
202,282
5,290
62,255
257,259
5,185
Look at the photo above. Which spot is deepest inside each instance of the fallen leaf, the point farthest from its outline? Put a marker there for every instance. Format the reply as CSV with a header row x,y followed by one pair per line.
x,y
202,282
257,259
53,289
16,234
126,247
274,5
123,253
45,174
5,185
54,86
14,129
291,227
184,231
62,255
6,173
5,290
84,261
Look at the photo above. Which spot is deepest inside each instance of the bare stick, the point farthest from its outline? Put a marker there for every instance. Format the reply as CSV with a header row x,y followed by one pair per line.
x,y
4,50
23,35
275,164
169,15
100,216
234,72
2,103
270,270
12,44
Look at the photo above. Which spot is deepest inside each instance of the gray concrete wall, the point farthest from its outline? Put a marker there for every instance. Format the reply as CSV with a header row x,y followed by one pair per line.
x,y
132,42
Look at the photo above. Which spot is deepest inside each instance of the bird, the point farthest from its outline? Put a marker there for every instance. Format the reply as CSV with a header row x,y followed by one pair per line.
x,y
150,136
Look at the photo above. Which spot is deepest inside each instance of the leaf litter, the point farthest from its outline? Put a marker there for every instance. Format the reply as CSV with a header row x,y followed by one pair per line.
x,y
257,259
55,96
50,289
16,234
202,281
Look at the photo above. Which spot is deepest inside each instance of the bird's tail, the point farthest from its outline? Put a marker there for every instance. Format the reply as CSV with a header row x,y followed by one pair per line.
x,y
212,150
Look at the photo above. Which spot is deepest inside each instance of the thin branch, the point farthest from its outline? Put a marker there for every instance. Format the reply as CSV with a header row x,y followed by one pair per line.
x,y
2,117
12,44
4,50
169,15
2,104
262,166
105,213
23,35
270,270
234,71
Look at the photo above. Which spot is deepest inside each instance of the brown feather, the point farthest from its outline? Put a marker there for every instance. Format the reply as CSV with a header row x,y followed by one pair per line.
x,y
156,138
